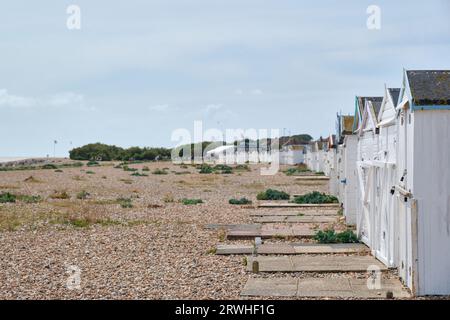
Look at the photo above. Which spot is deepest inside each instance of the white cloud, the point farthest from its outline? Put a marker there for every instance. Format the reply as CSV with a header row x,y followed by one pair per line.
x,y
212,108
62,99
239,92
9,100
159,107
257,92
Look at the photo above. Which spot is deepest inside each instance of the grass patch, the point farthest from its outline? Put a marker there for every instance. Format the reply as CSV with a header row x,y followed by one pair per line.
x,y
188,202
29,199
125,202
242,167
211,251
138,174
145,168
58,170
90,172
315,197
6,197
295,171
126,181
241,201
181,172
330,236
93,164
82,195
159,171
224,169
60,195
49,166
272,194
126,168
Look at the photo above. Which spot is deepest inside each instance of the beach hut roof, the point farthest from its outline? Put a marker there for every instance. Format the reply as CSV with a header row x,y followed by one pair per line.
x,y
429,87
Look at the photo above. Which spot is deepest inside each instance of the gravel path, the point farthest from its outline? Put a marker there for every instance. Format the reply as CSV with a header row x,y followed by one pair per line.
x,y
155,250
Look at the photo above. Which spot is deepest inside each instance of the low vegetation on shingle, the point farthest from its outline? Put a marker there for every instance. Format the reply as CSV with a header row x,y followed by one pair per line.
x,y
93,164
186,201
241,201
125,202
83,195
159,171
272,194
315,197
138,174
6,197
331,236
60,195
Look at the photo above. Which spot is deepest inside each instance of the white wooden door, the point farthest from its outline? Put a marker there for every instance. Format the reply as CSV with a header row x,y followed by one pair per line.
x,y
366,197
403,206
384,215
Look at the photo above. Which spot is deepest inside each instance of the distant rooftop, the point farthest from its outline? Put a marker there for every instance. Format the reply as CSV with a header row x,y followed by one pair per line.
x,y
395,93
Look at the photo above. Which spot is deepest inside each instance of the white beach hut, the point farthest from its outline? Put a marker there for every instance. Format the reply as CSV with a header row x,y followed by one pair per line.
x,y
384,174
423,182
366,154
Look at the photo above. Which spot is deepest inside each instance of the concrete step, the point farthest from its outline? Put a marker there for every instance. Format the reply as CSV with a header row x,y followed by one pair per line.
x,y
293,248
318,263
297,205
323,288
266,231
311,177
296,219
305,213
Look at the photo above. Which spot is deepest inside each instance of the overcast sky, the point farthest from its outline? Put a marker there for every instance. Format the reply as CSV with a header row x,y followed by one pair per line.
x,y
137,70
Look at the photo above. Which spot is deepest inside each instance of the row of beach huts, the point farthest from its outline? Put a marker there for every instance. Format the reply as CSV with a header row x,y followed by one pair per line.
x,y
389,165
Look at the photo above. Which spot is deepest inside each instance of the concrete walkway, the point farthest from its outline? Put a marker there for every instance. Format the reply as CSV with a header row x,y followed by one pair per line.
x,y
318,177
305,263
297,205
296,219
293,248
322,287
270,231
305,213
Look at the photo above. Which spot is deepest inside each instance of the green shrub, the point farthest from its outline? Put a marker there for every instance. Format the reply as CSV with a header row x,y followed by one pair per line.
x,y
191,201
347,236
49,166
241,201
90,172
315,197
58,170
82,195
93,164
126,168
320,173
295,171
125,202
137,174
330,236
242,167
7,197
206,169
29,199
271,194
